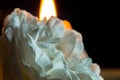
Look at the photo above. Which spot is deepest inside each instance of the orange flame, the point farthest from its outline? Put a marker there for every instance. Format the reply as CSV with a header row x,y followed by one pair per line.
x,y
67,25
47,9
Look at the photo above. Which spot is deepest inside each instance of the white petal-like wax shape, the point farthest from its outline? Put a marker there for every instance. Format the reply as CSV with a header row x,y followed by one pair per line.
x,y
43,50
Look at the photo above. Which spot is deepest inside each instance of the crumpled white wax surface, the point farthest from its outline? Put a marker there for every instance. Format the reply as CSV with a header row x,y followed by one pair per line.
x,y
45,50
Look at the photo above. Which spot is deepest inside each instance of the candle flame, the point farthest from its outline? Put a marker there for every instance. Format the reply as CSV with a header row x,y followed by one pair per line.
x,y
47,9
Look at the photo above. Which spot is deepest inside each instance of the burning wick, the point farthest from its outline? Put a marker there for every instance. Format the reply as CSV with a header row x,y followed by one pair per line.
x,y
48,9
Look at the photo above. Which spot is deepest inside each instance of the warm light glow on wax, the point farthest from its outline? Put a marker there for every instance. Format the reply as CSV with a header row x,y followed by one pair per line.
x,y
67,25
47,9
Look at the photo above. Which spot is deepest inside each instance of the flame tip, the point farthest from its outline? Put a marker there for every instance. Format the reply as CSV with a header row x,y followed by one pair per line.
x,y
47,9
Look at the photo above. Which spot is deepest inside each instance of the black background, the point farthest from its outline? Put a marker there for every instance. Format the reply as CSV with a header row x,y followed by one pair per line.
x,y
94,19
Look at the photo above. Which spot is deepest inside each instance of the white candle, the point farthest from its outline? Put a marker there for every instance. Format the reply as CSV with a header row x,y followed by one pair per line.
x,y
47,49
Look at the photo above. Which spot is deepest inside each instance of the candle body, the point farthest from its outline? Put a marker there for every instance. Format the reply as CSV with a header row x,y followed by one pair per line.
x,y
44,50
